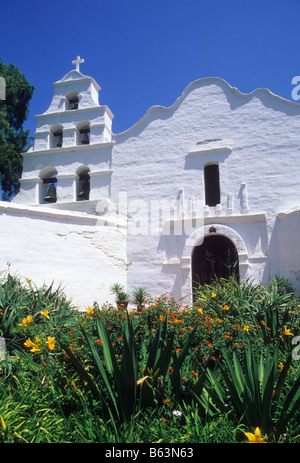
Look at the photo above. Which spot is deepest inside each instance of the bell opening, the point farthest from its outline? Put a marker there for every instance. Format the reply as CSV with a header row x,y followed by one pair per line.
x,y
85,140
84,188
51,194
73,103
58,137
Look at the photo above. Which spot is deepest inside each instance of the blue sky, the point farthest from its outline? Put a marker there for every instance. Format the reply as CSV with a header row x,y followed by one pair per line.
x,y
144,53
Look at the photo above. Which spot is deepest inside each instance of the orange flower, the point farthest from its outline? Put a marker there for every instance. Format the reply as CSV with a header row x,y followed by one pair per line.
x,y
166,401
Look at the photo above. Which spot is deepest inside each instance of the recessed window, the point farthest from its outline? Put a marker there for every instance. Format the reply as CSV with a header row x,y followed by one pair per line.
x,y
212,184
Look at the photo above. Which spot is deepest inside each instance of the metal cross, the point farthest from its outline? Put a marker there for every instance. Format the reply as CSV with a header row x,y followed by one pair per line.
x,y
77,61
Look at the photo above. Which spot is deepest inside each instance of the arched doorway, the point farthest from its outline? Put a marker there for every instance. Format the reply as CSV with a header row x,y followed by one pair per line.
x,y
215,258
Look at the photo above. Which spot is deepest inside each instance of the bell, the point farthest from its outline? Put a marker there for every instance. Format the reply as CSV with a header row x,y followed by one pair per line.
x,y
85,139
51,194
73,103
85,191
59,141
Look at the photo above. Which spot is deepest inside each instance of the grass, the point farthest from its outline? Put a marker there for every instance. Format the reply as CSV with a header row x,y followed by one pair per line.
x,y
206,373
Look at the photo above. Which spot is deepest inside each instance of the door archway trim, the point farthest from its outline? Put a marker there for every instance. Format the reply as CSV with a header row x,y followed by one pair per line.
x,y
197,237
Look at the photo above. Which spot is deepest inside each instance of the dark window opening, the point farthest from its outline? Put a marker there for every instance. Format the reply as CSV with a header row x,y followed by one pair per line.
x,y
212,185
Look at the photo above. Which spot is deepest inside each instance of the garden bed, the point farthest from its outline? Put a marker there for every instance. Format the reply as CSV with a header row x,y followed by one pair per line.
x,y
212,372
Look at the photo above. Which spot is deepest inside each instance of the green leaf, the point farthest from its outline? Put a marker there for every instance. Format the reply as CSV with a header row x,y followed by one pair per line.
x,y
81,370
101,370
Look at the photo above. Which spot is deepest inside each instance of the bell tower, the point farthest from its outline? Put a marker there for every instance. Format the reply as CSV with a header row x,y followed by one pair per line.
x,y
69,165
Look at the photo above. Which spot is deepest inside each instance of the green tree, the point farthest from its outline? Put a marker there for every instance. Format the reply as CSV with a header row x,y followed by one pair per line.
x,y
13,139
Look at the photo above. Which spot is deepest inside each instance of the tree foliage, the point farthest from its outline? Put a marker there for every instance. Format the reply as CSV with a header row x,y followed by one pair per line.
x,y
13,138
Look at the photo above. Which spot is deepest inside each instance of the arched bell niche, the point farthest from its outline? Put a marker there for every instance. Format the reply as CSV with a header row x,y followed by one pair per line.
x,y
56,136
72,100
83,133
48,186
83,183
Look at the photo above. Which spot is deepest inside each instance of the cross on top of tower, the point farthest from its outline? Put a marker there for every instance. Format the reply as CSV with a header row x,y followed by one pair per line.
x,y
77,62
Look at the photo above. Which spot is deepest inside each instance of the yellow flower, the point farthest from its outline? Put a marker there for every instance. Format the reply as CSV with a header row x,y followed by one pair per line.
x,y
256,437
140,381
90,310
26,321
246,328
28,280
34,346
200,311
287,332
281,366
51,342
226,307
213,294
45,313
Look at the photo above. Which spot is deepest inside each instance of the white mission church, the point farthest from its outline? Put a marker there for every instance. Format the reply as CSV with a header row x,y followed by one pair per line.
x,y
204,187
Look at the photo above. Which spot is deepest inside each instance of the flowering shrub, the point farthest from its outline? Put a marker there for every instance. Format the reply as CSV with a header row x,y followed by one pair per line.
x,y
173,353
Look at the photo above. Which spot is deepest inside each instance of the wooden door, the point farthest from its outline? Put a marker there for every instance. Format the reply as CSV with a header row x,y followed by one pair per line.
x,y
215,258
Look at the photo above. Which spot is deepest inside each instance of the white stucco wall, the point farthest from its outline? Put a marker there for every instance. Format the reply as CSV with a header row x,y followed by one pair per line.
x,y
70,248
257,149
